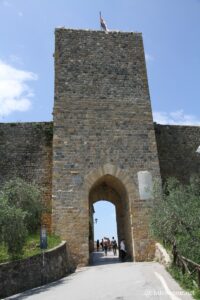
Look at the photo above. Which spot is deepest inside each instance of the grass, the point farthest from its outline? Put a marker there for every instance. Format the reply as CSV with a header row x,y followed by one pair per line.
x,y
32,247
187,282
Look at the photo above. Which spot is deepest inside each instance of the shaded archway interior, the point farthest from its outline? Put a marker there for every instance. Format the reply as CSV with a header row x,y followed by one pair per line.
x,y
111,189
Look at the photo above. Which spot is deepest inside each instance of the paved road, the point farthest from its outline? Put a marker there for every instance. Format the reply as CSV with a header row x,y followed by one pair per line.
x,y
108,279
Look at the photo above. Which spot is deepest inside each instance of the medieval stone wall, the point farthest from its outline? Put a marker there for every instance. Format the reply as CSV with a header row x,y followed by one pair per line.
x,y
26,152
177,147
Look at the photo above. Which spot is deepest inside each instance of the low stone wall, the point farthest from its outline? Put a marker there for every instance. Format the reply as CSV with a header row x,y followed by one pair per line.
x,y
161,255
21,275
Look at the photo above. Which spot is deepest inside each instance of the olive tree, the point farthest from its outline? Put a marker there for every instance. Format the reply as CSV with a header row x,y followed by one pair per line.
x,y
13,230
175,216
20,214
26,196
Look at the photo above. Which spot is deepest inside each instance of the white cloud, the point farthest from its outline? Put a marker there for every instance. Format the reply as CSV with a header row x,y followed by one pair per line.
x,y
148,57
15,94
175,118
15,59
6,3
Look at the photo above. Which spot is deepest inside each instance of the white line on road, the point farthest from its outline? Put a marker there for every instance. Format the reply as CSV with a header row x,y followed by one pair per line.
x,y
171,295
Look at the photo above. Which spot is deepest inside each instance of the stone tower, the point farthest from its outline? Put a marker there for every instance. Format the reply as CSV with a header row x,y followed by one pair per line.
x,y
104,141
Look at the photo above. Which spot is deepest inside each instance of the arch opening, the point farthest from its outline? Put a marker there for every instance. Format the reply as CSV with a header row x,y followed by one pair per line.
x,y
105,224
111,189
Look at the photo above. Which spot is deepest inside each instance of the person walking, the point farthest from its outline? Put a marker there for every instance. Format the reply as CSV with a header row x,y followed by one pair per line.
x,y
114,245
106,247
97,245
102,245
122,250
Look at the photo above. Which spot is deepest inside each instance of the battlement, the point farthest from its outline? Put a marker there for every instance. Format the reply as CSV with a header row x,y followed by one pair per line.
x,y
58,29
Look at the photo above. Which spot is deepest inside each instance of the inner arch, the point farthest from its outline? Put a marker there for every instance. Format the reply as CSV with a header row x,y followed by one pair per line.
x,y
111,189
105,225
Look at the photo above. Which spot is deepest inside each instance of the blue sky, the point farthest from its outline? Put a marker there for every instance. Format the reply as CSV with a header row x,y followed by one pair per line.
x,y
171,33
106,222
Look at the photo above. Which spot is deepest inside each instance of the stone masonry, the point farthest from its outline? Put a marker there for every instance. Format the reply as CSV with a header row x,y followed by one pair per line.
x,y
103,135
26,152
177,154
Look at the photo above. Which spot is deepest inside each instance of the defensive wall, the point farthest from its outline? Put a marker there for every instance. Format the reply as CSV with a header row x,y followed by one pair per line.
x,y
177,154
26,152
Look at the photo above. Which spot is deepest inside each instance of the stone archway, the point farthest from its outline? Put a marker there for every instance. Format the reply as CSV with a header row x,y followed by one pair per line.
x,y
113,184
110,188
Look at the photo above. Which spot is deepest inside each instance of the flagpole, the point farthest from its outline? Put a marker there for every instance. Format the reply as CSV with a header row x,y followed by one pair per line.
x,y
100,20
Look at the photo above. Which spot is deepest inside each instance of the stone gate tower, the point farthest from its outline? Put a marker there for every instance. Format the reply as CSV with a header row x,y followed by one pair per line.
x,y
104,139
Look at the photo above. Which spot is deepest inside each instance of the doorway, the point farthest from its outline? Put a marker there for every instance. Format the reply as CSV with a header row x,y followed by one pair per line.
x,y
112,189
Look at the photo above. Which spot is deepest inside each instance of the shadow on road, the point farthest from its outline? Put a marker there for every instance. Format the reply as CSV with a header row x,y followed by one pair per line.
x,y
98,258
41,289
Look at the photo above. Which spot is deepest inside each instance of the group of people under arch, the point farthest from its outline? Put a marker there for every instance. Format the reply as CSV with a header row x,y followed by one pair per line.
x,y
106,245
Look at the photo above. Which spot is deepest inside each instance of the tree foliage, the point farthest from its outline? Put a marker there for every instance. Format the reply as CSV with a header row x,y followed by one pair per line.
x,y
13,229
20,214
175,216
26,196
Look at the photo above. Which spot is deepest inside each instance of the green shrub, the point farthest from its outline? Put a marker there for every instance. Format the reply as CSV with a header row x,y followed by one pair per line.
x,y
13,230
27,197
31,247
175,216
20,214
186,281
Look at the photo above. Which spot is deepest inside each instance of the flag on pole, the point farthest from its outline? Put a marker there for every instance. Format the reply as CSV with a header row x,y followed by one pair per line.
x,y
103,24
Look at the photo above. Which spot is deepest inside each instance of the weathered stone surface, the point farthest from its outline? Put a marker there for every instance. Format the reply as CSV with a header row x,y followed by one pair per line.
x,y
28,273
177,147
26,152
104,133
161,255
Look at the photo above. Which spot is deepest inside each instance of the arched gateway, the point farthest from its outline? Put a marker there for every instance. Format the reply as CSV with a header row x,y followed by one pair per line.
x,y
104,142
108,183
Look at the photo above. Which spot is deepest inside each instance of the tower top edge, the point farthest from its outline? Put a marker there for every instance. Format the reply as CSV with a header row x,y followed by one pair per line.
x,y
72,30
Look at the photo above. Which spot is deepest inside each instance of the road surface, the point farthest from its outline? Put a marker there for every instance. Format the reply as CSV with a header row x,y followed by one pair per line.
x,y
109,279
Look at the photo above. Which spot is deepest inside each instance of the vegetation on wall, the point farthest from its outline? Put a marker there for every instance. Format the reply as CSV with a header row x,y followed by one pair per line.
x,y
20,214
175,220
13,231
175,216
31,247
20,194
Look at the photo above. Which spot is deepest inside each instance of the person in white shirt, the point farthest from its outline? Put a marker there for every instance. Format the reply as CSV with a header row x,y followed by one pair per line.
x,y
122,248
114,245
